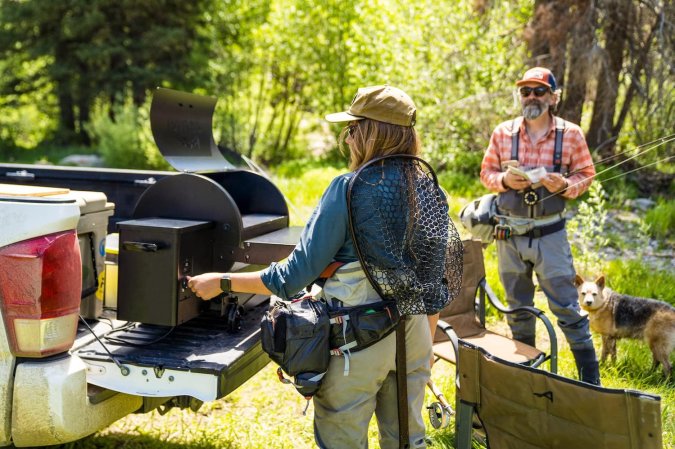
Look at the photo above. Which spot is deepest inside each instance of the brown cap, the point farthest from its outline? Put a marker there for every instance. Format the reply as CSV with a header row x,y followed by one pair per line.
x,y
382,103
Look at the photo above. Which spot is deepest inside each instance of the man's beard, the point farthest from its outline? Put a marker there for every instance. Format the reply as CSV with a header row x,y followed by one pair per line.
x,y
534,109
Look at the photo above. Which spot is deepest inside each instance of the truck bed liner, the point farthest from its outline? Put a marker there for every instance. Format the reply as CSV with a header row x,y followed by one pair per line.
x,y
202,345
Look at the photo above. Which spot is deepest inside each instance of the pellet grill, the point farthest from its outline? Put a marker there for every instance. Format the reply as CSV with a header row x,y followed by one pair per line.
x,y
211,217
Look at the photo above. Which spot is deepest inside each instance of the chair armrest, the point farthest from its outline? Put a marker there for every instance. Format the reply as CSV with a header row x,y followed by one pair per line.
x,y
494,300
454,340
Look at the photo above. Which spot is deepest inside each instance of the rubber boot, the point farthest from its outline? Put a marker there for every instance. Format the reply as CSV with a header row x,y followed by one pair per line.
x,y
587,365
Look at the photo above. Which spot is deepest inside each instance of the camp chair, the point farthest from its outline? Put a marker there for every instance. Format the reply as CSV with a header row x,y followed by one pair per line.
x,y
524,408
464,319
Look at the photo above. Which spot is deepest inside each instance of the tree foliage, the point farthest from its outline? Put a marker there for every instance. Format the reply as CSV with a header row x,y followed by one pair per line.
x,y
278,66
615,60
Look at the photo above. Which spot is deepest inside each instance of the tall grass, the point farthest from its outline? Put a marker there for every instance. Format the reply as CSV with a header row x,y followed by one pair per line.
x,y
263,413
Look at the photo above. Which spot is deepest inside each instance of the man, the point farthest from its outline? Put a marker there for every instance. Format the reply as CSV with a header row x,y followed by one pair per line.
x,y
531,232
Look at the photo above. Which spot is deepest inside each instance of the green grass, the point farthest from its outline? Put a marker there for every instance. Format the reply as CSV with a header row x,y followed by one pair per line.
x,y
263,413
661,219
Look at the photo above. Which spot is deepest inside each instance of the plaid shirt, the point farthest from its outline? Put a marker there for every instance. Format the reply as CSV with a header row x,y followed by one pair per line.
x,y
575,156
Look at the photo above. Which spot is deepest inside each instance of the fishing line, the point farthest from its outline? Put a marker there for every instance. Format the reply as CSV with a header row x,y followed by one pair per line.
x,y
663,140
636,169
609,158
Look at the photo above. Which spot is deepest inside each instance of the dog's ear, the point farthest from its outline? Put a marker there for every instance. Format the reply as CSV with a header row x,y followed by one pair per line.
x,y
600,282
578,280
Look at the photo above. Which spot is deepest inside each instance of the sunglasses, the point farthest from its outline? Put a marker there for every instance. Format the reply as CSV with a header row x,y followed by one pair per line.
x,y
539,91
351,129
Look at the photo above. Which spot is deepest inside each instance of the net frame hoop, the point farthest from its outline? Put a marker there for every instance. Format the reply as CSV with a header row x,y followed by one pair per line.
x,y
352,181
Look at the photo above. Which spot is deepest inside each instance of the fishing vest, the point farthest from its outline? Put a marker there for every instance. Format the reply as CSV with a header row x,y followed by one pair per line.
x,y
537,202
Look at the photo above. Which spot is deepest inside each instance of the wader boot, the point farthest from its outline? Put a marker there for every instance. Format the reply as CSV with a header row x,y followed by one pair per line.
x,y
587,365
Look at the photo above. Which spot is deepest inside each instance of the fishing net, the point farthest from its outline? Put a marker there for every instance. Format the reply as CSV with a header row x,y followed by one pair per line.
x,y
408,246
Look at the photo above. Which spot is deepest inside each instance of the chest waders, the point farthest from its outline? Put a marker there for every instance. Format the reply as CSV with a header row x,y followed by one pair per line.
x,y
533,202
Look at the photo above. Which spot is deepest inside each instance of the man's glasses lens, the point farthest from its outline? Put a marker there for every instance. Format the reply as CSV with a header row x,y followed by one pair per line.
x,y
539,91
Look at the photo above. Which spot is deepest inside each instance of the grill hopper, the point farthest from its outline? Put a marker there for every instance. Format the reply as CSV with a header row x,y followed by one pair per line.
x,y
248,214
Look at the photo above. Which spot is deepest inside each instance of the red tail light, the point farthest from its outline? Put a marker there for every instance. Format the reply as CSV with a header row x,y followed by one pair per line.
x,y
40,288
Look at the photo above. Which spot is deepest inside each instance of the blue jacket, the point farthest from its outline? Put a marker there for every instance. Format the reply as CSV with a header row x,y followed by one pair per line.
x,y
324,239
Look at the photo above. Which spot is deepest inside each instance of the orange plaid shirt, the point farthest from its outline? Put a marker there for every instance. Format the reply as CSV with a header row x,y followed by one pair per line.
x,y
575,156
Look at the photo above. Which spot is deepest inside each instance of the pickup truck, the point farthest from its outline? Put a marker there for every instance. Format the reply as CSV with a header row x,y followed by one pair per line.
x,y
68,366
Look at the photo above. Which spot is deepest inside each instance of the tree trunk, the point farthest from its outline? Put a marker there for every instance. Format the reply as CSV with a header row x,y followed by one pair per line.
x,y
547,36
580,55
638,67
616,25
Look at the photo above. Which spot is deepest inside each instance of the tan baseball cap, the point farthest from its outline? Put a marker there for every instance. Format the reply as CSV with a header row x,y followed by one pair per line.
x,y
382,103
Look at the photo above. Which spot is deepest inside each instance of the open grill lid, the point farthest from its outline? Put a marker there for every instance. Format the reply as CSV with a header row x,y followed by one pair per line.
x,y
182,126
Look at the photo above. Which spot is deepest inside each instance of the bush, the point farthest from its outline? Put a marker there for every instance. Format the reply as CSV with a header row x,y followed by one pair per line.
x,y
125,140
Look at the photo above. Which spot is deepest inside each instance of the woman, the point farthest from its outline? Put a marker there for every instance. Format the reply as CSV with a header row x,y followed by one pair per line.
x,y
380,122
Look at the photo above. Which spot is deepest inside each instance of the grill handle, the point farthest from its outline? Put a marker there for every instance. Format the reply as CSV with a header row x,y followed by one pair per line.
x,y
141,247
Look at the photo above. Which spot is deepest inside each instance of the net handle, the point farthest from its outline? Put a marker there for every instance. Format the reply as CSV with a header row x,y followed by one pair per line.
x,y
359,254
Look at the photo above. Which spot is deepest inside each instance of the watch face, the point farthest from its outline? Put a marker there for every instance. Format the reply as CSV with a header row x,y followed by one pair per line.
x,y
225,285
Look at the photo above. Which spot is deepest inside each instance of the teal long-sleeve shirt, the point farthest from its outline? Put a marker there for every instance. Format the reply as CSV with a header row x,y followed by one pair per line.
x,y
325,238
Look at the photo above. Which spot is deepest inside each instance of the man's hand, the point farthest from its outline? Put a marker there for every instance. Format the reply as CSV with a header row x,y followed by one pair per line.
x,y
554,182
515,182
206,286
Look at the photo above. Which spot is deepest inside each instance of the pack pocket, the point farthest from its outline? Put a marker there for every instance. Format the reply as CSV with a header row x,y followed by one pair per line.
x,y
273,341
372,325
366,325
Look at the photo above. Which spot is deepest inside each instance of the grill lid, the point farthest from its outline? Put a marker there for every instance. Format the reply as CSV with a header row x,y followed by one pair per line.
x,y
182,127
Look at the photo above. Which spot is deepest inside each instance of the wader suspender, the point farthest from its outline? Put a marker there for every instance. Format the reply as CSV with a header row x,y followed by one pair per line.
x,y
557,150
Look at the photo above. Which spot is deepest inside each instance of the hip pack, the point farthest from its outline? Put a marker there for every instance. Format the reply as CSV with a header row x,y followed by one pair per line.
x,y
295,334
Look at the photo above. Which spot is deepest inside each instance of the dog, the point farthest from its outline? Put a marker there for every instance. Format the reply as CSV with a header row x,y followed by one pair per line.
x,y
615,316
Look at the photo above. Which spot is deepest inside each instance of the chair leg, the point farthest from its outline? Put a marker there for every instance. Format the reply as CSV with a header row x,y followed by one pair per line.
x,y
463,425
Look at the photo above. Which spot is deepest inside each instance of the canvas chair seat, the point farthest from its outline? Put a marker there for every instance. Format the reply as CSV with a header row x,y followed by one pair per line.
x,y
524,408
466,316
507,348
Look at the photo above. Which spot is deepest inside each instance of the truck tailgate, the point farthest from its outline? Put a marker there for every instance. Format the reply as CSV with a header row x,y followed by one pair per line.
x,y
201,358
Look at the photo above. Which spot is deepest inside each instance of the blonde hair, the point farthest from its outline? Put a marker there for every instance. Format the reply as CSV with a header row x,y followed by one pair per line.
x,y
372,138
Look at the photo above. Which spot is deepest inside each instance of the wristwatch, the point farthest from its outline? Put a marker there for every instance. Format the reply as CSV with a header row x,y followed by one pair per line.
x,y
226,283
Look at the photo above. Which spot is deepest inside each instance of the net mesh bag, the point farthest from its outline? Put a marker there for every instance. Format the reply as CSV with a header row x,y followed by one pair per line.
x,y
408,246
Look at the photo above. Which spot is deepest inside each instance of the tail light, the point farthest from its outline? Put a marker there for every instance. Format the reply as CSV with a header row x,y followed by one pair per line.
x,y
40,287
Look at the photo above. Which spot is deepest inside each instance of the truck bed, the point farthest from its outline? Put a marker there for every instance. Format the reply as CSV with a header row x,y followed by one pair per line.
x,y
212,359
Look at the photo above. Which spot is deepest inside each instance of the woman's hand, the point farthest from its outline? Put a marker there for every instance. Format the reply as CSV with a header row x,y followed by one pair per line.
x,y
206,285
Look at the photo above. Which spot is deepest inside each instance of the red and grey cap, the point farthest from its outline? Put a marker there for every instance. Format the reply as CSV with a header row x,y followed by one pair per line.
x,y
539,75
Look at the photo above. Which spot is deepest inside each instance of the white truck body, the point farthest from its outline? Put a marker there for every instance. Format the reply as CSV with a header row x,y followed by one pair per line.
x,y
67,396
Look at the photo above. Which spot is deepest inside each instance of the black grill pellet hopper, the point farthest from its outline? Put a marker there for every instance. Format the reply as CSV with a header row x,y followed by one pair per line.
x,y
213,216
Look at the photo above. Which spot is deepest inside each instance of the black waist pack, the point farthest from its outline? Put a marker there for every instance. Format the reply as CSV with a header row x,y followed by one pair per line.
x,y
356,328
295,334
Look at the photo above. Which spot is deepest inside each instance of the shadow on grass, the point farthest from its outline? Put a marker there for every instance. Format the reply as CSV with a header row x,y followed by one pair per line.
x,y
126,441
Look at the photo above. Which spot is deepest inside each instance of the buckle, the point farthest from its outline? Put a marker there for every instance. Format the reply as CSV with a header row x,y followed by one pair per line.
x,y
503,232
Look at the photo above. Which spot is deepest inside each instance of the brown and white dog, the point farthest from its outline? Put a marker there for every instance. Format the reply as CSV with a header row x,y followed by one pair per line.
x,y
615,316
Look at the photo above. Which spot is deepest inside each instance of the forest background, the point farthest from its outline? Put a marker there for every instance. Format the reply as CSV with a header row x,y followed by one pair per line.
x,y
77,76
